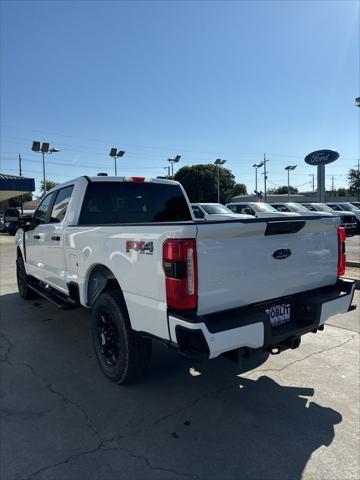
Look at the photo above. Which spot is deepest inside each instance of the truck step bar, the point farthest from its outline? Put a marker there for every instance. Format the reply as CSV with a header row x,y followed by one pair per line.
x,y
57,298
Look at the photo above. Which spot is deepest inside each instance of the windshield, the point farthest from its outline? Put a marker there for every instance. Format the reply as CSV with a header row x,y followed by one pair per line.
x,y
349,208
216,209
296,207
263,207
323,208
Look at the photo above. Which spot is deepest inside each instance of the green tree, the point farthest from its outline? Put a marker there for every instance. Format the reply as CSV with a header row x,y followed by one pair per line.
x,y
342,192
239,189
49,185
283,190
354,181
201,182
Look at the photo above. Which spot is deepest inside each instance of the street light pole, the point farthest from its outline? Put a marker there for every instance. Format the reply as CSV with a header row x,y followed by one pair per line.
x,y
44,176
256,167
43,148
172,161
288,168
219,162
115,153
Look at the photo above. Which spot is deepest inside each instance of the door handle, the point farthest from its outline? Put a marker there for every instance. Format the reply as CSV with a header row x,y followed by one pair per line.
x,y
37,237
56,238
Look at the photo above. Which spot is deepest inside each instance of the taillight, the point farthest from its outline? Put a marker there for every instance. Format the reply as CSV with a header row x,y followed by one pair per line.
x,y
180,267
341,254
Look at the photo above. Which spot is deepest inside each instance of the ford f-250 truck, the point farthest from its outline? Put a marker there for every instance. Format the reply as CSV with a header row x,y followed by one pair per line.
x,y
131,250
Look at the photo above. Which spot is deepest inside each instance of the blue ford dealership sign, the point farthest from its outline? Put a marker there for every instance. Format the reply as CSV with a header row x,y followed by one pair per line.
x,y
321,157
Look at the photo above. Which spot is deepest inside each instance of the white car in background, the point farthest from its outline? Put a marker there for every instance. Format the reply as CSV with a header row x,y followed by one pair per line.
x,y
215,211
259,209
297,208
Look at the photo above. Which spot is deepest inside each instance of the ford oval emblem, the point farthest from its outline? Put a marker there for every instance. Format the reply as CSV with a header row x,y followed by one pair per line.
x,y
282,253
321,157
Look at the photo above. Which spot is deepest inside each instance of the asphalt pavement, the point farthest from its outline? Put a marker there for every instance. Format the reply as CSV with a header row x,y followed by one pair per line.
x,y
294,417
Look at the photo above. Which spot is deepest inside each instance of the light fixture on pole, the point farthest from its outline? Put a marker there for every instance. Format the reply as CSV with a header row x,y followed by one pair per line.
x,y
256,166
115,153
288,168
218,162
43,148
172,161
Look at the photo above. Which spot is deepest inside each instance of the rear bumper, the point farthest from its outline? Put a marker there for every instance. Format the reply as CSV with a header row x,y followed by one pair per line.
x,y
211,335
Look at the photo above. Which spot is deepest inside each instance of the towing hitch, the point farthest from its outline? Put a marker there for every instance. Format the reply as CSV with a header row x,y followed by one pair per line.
x,y
291,343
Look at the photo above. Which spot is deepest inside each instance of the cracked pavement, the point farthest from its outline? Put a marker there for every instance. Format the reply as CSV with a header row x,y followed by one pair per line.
x,y
294,417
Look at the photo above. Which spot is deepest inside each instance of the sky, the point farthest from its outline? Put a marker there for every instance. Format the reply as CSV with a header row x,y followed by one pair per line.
x,y
200,79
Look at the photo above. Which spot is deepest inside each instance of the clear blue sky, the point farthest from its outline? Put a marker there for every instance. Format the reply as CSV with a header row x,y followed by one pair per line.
x,y
196,78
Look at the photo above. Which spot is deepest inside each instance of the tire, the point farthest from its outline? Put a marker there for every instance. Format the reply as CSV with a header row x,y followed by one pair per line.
x,y
123,355
12,230
23,281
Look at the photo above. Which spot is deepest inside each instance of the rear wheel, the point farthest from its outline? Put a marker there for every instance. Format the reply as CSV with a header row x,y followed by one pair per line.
x,y
23,281
123,355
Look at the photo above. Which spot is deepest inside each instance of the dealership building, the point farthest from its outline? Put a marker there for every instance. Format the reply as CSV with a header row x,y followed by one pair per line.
x,y
12,186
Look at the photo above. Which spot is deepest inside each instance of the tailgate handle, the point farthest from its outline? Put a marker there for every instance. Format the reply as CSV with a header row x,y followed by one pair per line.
x,y
281,228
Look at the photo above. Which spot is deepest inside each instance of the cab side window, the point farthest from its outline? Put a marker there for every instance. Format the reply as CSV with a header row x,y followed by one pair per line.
x,y
41,214
282,208
248,210
61,203
197,212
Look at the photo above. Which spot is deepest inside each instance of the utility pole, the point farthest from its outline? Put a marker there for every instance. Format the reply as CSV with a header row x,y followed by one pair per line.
x,y
312,175
332,183
265,176
20,175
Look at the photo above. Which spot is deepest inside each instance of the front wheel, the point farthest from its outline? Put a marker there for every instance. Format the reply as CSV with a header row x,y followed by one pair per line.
x,y
123,355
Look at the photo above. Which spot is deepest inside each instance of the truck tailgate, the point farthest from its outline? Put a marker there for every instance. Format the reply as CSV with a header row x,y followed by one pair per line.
x,y
245,262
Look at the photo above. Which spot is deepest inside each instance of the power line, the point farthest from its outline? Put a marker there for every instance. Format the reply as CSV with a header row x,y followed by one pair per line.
x,y
153,147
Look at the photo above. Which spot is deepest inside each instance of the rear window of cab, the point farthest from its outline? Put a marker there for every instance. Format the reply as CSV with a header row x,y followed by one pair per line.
x,y
108,203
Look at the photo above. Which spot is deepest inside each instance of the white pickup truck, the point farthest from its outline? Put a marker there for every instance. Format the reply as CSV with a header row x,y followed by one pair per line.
x,y
131,250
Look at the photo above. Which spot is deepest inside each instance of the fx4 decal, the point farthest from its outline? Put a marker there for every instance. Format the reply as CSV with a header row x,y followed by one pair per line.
x,y
146,248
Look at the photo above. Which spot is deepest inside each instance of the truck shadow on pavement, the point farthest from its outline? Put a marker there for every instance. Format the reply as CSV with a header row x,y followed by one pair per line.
x,y
202,421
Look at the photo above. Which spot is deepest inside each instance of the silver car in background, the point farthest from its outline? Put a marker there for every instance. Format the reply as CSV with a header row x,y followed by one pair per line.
x,y
297,208
215,211
348,220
